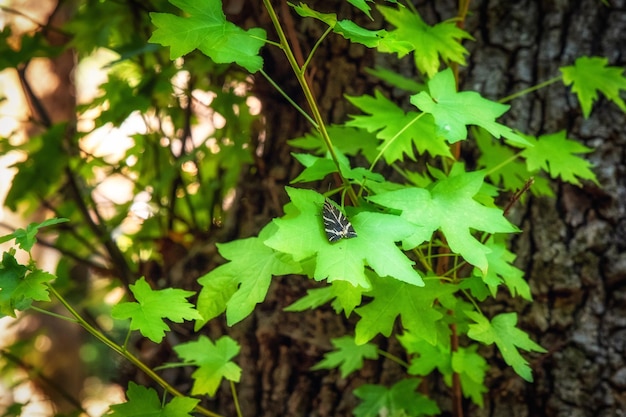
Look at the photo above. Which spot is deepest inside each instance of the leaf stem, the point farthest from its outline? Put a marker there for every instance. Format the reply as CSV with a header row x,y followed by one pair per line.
x,y
52,314
317,44
235,399
125,353
308,94
390,141
503,163
393,358
530,89
289,99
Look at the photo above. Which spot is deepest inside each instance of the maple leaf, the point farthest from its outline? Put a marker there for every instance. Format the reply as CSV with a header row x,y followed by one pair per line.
x,y
501,269
349,140
348,356
503,332
400,399
346,297
152,307
26,238
451,207
471,368
239,285
453,110
213,361
414,305
425,356
398,130
143,401
19,286
301,234
589,75
346,28
207,29
318,168
362,6
429,42
555,154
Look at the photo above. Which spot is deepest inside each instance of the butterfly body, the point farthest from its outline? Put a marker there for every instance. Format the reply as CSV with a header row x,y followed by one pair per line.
x,y
336,224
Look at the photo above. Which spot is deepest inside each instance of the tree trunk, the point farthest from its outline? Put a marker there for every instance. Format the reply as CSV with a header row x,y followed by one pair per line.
x,y
572,247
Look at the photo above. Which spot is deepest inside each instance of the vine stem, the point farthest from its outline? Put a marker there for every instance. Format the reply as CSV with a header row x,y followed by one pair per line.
x,y
308,94
530,90
125,353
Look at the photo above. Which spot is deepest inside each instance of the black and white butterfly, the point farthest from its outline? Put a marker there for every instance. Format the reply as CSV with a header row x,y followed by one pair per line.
x,y
336,224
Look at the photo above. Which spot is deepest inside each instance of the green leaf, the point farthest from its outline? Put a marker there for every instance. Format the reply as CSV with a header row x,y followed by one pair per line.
x,y
555,154
218,286
425,356
400,398
207,29
454,111
500,161
19,287
396,80
318,168
346,28
213,362
26,239
398,130
430,43
346,297
301,234
152,307
449,206
239,285
355,33
501,269
144,402
471,368
503,332
589,75
414,305
348,356
348,140
362,6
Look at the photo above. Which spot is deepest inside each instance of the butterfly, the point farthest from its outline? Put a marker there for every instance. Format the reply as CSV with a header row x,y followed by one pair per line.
x,y
336,224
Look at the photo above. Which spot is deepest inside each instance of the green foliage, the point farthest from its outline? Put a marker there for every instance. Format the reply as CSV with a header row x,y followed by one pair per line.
x,y
429,249
399,400
555,154
213,361
398,130
453,111
429,43
238,286
20,285
591,74
348,356
152,307
144,401
501,330
207,30
301,234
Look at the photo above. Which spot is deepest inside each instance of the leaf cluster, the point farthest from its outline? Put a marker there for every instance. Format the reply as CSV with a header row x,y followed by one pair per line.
x,y
428,250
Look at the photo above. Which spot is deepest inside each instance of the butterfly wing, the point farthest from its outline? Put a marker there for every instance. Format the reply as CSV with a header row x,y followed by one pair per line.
x,y
336,224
